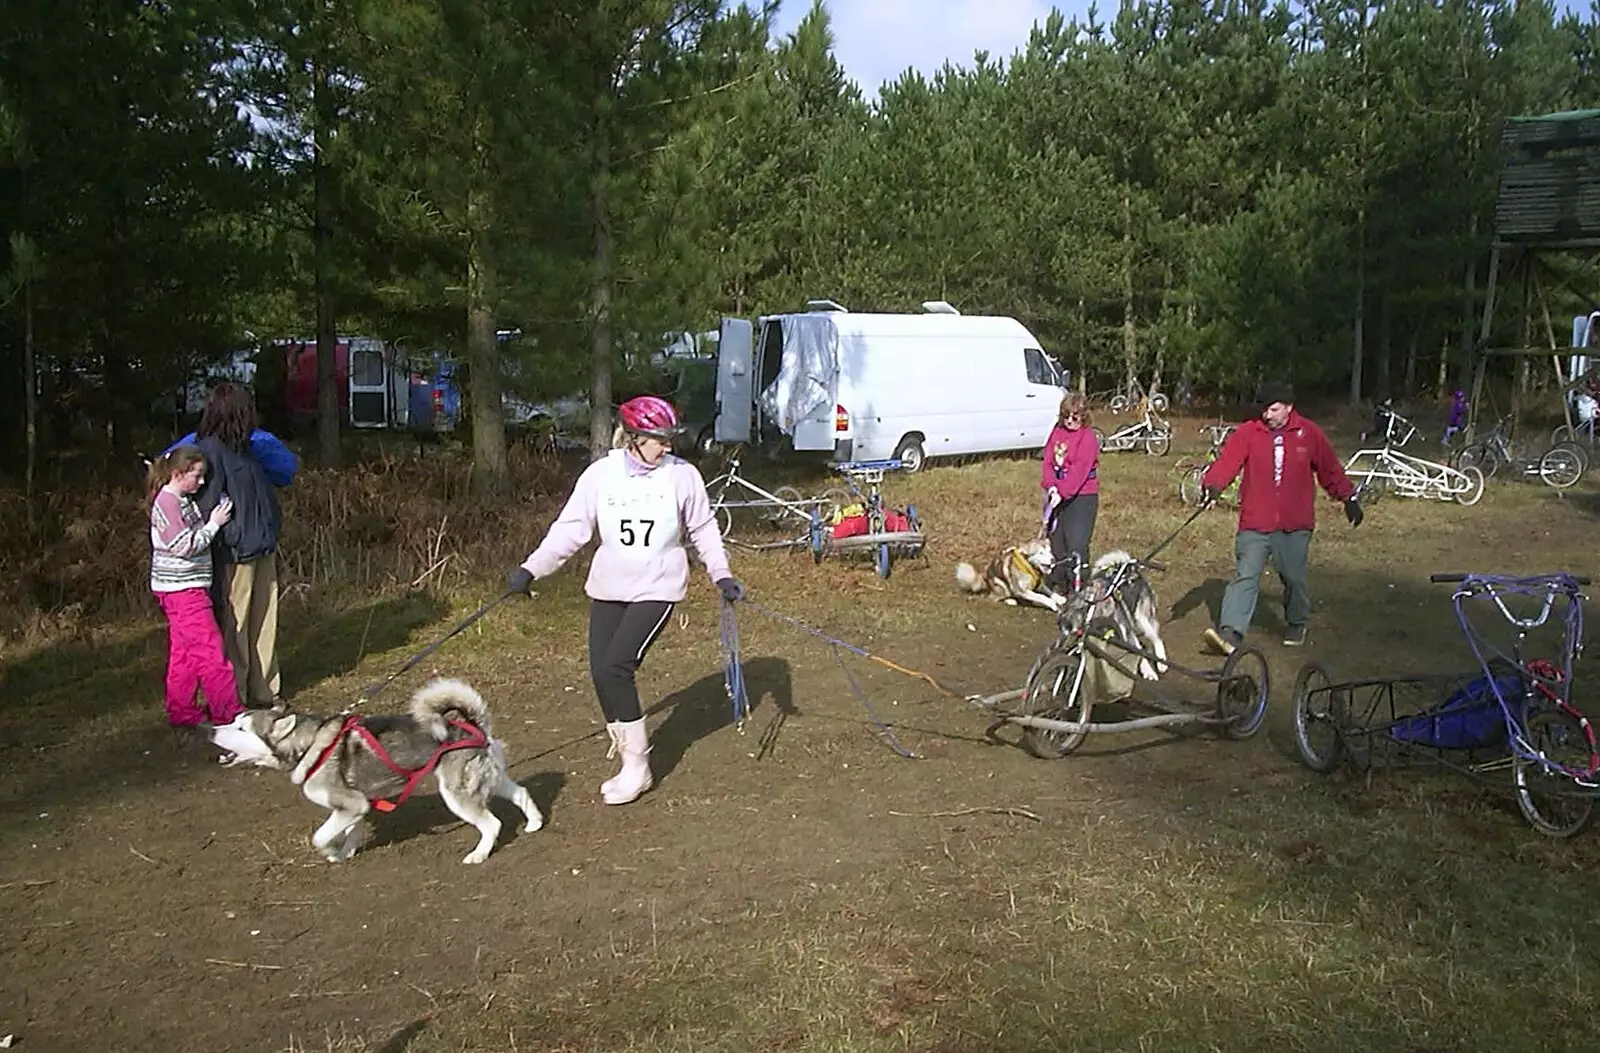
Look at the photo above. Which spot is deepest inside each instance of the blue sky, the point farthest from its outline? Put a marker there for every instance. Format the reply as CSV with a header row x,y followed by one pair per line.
x,y
875,40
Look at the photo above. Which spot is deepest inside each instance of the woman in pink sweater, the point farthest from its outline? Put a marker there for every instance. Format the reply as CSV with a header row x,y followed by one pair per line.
x,y
642,501
1071,483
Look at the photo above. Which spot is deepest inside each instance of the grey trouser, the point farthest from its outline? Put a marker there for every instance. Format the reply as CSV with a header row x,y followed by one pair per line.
x,y
1289,549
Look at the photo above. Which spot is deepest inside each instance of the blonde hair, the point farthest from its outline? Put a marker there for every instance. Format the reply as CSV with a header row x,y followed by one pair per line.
x,y
174,461
1071,403
619,438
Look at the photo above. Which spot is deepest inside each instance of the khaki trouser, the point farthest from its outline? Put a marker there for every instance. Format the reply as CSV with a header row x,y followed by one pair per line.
x,y
247,614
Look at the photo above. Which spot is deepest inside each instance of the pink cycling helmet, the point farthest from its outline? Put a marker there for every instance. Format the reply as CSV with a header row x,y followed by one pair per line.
x,y
648,415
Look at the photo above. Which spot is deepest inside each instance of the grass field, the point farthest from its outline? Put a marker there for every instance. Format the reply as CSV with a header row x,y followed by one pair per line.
x,y
796,884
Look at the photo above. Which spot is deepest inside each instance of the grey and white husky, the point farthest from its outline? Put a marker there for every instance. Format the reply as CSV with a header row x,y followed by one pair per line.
x,y
1118,591
345,764
1015,576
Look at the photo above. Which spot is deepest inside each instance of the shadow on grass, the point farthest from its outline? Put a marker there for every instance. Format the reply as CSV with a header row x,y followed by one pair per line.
x,y
703,707
54,694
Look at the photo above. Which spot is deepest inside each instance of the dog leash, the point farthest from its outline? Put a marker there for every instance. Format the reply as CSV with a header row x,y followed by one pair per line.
x,y
1174,535
838,646
733,668
371,690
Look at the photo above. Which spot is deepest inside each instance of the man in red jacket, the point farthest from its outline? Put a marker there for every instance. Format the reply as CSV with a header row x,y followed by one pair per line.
x,y
1279,453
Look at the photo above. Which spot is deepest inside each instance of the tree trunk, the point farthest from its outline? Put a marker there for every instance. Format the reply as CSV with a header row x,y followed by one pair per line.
x,y
1409,384
1358,350
600,387
1469,315
30,398
490,472
329,412
1130,340
1385,380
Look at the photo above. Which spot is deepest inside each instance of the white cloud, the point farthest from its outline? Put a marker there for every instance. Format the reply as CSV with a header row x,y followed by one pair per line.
x,y
876,40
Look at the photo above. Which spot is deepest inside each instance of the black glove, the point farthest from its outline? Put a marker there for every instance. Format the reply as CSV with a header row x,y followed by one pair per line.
x,y
1352,512
1208,496
519,580
731,590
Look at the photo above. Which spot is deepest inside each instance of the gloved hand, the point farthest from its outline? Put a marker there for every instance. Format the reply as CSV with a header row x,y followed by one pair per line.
x,y
1208,496
519,580
1352,512
731,590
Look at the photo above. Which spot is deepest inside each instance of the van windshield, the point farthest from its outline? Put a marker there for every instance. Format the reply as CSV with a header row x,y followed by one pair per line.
x,y
1041,368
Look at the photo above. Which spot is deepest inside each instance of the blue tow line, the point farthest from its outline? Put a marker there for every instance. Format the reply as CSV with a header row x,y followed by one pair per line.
x,y
733,672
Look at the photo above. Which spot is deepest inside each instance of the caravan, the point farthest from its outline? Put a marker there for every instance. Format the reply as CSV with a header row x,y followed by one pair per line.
x,y
874,386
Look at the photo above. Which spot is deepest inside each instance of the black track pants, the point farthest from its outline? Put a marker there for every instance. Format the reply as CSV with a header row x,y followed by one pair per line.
x,y
619,636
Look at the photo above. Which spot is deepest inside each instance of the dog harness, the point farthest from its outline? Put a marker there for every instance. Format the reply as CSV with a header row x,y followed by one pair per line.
x,y
475,739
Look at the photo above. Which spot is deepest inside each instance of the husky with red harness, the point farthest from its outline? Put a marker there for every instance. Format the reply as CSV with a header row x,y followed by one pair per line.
x,y
351,764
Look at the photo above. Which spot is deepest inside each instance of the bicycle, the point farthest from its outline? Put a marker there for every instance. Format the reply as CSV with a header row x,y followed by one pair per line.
x,y
1149,431
883,539
783,506
1558,467
1089,662
1518,708
1133,393
1410,476
1191,470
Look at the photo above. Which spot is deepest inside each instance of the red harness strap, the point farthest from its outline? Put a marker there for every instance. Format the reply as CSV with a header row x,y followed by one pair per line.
x,y
475,739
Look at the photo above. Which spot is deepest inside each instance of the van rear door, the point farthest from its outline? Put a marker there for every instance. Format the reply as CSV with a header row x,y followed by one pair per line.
x,y
369,384
735,380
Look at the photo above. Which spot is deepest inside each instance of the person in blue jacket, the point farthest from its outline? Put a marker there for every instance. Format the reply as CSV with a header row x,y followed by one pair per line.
x,y
247,464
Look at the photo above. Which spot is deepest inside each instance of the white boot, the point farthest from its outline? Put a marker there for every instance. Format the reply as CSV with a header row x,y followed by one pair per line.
x,y
634,778
612,750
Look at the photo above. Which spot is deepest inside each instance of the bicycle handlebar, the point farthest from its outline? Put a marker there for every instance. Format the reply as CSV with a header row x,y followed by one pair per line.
x,y
1457,577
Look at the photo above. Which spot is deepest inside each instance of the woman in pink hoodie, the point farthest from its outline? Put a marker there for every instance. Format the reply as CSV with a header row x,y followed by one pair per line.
x,y
1071,485
643,502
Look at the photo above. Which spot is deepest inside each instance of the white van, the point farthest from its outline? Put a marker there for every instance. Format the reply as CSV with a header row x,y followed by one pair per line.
x,y
874,386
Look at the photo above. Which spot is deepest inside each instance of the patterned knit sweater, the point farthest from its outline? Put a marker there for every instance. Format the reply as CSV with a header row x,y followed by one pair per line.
x,y
180,543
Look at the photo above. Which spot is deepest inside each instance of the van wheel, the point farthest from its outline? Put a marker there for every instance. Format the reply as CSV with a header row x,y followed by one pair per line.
x,y
910,453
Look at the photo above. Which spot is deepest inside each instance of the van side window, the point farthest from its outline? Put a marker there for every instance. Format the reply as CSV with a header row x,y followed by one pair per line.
x,y
1039,371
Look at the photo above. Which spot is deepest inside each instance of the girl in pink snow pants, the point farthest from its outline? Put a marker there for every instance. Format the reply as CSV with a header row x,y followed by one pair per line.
x,y
180,577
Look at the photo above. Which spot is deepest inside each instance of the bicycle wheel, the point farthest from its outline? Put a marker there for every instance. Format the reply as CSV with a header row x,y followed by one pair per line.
x,y
1118,403
1579,451
1564,433
1189,486
1057,689
1552,802
1559,468
1158,402
1474,490
1159,444
777,513
1318,718
885,560
1479,455
833,499
1243,692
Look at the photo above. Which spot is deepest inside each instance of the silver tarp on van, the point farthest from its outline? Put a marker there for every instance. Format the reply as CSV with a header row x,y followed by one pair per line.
x,y
804,384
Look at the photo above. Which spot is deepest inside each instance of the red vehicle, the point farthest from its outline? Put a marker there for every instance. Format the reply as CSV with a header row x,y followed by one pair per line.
x,y
378,386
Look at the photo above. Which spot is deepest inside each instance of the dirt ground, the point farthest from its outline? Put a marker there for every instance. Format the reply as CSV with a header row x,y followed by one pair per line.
x,y
797,884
